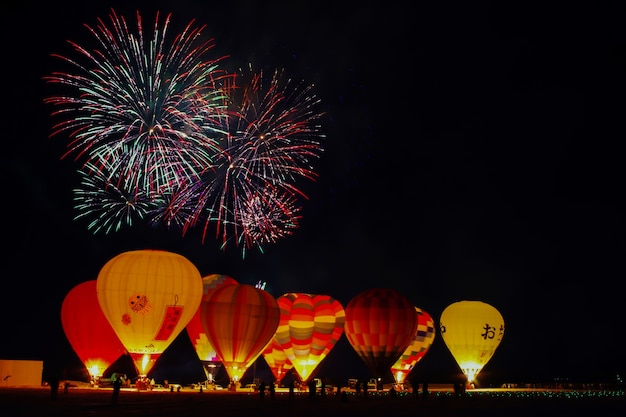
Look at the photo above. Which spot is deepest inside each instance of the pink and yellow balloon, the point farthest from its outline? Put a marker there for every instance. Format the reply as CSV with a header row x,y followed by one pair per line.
x,y
421,343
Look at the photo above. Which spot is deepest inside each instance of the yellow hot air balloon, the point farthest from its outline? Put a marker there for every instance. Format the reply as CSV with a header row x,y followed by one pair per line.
x,y
471,330
148,296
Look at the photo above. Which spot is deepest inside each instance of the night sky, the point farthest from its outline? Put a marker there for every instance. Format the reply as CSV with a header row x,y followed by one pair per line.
x,y
472,152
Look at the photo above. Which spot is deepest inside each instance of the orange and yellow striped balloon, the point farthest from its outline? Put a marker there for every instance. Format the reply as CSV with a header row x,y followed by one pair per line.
x,y
310,326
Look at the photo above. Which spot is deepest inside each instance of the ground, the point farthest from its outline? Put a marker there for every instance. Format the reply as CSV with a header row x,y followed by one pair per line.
x,y
80,402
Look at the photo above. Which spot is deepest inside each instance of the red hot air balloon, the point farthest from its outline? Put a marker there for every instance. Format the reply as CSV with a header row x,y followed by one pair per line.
x,y
419,346
310,326
380,324
148,296
205,351
88,330
239,321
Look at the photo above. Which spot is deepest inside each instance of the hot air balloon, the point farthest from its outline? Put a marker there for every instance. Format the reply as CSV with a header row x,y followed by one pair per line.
x,y
471,330
277,360
310,326
239,321
380,324
423,339
88,330
148,297
205,351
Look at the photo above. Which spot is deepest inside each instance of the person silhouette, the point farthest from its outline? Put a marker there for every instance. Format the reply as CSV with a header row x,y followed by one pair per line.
x,y
262,390
292,386
415,385
272,389
344,396
54,386
117,385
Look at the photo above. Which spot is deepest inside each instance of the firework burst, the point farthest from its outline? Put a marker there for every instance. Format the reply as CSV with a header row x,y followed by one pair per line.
x,y
267,217
109,202
273,137
148,109
164,135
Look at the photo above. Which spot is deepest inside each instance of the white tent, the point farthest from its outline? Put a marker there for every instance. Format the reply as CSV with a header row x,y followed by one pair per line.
x,y
20,373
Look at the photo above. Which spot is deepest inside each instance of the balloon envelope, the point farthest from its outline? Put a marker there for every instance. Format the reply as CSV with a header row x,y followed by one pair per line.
x,y
471,330
422,341
88,330
277,360
380,324
310,326
239,321
204,349
148,297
